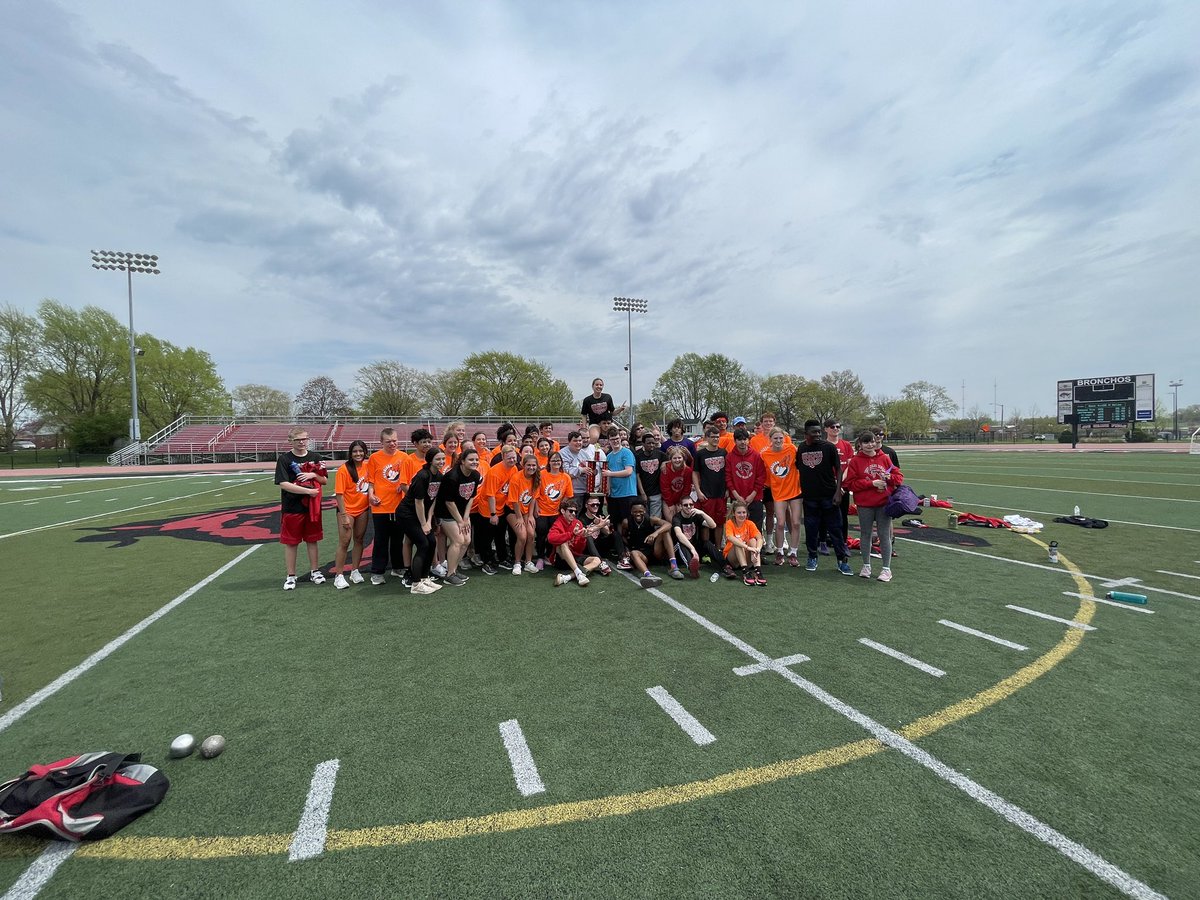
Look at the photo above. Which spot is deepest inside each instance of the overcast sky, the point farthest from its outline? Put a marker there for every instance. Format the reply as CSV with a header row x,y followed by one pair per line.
x,y
988,193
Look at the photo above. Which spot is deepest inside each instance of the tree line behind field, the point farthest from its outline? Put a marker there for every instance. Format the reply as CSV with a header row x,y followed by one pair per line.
x,y
69,369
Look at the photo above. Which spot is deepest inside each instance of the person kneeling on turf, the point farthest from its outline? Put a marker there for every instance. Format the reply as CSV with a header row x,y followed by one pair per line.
x,y
648,538
572,544
743,541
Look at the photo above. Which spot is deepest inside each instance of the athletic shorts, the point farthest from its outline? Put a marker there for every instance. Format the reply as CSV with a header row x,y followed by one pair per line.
x,y
298,528
715,507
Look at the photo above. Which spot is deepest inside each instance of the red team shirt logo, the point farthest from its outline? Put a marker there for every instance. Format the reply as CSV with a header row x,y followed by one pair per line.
x,y
715,463
812,458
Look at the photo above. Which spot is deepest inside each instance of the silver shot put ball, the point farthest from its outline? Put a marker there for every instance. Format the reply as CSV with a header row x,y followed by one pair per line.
x,y
183,746
212,746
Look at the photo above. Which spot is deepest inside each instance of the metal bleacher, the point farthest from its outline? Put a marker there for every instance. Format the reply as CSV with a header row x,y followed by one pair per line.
x,y
225,439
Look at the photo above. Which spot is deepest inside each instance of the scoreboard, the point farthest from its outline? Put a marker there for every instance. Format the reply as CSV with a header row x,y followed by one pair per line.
x,y
1114,401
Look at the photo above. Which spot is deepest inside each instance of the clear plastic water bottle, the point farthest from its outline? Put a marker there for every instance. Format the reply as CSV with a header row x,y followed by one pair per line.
x,y
1077,510
714,578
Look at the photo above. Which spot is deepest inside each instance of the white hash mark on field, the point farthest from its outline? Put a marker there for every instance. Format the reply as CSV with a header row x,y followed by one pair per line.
x,y
1126,606
755,668
525,771
1059,619
903,657
684,719
309,840
982,634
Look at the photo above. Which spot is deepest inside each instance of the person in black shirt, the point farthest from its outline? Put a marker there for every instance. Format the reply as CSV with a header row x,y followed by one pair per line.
x,y
300,475
453,500
820,472
414,515
598,406
693,529
648,538
648,460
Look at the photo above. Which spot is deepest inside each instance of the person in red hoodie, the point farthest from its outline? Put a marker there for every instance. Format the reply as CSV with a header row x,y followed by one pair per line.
x,y
746,475
871,476
570,539
675,481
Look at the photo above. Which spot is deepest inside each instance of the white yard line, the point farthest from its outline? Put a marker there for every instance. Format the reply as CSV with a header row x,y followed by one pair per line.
x,y
309,840
1132,607
34,878
1177,574
1043,566
112,646
1047,616
525,771
982,634
104,515
1010,812
903,657
690,724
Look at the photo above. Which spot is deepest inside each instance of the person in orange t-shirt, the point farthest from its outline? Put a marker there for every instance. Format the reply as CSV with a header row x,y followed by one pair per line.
x,y
760,441
542,448
784,479
555,488
743,541
491,530
385,488
523,486
547,431
349,488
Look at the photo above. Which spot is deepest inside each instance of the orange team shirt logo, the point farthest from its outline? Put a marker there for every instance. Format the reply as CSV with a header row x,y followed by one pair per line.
x,y
553,492
363,486
779,470
526,498
391,473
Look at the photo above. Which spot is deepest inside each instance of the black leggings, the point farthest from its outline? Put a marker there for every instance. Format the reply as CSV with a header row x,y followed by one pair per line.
x,y
422,544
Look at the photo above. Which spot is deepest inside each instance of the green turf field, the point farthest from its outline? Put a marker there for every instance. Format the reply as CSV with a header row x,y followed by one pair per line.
x,y
1063,766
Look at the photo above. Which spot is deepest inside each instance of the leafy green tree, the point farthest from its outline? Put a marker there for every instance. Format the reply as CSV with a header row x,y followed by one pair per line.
x,y
20,346
321,398
695,386
789,397
390,389
258,401
174,381
935,398
841,396
683,389
651,411
448,391
903,416
504,384
83,367
97,432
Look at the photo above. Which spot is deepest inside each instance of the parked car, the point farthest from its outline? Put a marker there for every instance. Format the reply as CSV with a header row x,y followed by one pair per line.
x,y
24,445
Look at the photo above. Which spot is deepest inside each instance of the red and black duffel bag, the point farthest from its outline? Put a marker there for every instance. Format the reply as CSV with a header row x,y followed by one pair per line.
x,y
80,798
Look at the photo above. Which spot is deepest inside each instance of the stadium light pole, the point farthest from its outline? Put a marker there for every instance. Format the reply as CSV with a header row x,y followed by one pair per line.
x,y
129,263
1175,386
629,306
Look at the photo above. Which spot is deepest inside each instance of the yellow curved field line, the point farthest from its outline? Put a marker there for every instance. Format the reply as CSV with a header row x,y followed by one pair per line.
x,y
224,847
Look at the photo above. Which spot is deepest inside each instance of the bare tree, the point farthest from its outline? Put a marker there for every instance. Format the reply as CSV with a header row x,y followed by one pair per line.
x,y
321,398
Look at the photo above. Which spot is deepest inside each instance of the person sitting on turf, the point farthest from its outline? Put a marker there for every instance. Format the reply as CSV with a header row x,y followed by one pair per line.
x,y
573,545
648,538
602,533
743,541
691,527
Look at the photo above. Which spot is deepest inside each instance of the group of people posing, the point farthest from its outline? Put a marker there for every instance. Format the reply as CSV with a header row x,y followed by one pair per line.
x,y
641,498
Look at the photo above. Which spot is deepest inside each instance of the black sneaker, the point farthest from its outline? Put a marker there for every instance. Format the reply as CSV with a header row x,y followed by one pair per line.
x,y
455,580
488,569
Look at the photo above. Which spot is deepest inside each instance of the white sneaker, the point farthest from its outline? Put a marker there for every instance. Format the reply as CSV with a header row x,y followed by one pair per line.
x,y
420,588
377,579
516,568
582,580
289,583
561,578
340,582
885,575
864,572
356,577
395,573
433,586
530,569
439,570
770,548
316,577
